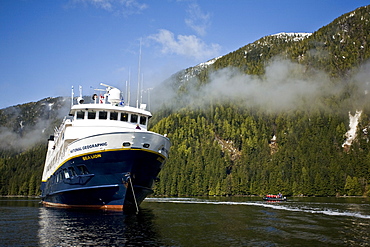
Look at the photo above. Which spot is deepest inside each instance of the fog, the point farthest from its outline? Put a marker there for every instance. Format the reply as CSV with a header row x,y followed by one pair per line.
x,y
20,134
285,86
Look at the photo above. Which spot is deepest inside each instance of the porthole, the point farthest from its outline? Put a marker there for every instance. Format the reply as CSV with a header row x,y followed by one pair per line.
x,y
146,145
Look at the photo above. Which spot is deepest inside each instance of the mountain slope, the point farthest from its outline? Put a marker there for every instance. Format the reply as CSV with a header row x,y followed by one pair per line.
x,y
296,148
336,48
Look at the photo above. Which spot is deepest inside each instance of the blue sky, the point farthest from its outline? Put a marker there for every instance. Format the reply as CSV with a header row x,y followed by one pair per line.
x,y
46,47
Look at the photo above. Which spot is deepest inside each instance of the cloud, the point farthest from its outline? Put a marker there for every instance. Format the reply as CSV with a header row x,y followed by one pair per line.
x,y
27,130
21,141
184,45
198,21
285,86
125,7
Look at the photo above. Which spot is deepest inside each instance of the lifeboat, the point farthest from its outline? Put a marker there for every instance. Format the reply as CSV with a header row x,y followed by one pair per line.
x,y
277,198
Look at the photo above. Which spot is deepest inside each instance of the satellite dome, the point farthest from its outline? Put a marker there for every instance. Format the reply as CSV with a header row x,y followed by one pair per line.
x,y
114,96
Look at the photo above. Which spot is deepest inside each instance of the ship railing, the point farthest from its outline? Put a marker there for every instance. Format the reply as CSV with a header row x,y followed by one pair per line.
x,y
67,121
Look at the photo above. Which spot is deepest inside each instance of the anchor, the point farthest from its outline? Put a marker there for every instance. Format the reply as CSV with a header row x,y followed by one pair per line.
x,y
127,179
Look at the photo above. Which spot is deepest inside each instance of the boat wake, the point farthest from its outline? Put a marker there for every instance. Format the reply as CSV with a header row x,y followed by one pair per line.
x,y
312,208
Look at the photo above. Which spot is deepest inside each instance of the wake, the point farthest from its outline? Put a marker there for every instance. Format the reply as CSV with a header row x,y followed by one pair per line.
x,y
294,207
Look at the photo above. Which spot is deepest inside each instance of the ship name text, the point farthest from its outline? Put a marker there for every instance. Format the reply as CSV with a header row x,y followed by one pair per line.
x,y
95,145
90,157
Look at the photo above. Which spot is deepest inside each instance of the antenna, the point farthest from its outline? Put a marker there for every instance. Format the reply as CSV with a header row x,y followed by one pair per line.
x,y
105,85
72,97
129,87
141,89
80,99
138,78
126,96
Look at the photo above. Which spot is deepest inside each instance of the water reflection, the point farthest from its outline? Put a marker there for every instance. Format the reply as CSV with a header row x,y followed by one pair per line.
x,y
191,222
356,233
19,202
61,227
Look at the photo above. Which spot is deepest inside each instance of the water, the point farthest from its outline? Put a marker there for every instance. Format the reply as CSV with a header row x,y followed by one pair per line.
x,y
191,222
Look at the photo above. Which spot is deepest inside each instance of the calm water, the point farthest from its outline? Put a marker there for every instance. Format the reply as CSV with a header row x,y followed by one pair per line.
x,y
191,222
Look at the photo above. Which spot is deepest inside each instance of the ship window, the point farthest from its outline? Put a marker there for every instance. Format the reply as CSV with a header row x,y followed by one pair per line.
x,y
66,174
83,170
113,116
124,117
91,115
80,115
60,177
134,118
142,120
72,172
103,115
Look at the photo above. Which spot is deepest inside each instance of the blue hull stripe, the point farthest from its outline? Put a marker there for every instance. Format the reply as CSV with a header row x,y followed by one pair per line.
x,y
85,188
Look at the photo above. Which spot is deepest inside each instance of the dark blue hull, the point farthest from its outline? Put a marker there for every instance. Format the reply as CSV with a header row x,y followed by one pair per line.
x,y
116,179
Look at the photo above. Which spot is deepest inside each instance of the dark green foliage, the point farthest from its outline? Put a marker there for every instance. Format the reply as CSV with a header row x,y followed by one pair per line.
x,y
231,153
21,173
339,46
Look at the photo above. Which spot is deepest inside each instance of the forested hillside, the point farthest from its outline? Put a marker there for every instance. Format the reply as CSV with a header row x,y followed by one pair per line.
x,y
233,152
273,116
23,134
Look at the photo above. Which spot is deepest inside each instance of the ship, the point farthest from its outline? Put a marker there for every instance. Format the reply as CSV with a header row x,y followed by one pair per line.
x,y
103,156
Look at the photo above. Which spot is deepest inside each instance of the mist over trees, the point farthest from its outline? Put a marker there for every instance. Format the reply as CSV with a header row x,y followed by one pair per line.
x,y
272,116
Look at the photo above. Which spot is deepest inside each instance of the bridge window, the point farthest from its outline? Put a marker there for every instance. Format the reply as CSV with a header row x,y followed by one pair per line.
x,y
91,115
124,117
142,120
80,115
134,118
103,115
113,116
